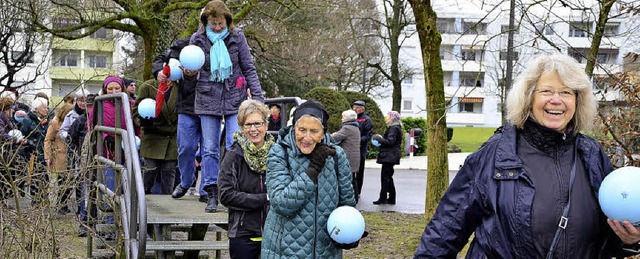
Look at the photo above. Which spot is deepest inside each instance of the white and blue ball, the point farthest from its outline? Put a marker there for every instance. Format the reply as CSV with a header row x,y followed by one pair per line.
x,y
176,72
147,108
192,57
619,195
345,225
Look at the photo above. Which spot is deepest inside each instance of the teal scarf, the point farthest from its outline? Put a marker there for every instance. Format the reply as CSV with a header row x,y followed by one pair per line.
x,y
219,55
256,157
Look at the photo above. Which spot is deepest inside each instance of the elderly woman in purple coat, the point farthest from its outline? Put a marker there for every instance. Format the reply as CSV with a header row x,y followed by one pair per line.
x,y
227,78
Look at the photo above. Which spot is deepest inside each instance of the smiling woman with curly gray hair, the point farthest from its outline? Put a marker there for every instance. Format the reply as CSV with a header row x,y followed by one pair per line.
x,y
530,190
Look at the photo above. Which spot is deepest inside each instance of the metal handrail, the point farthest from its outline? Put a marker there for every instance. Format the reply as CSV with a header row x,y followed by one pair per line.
x,y
131,200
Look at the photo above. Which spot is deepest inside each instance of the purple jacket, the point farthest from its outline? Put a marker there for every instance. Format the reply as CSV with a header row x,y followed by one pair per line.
x,y
214,98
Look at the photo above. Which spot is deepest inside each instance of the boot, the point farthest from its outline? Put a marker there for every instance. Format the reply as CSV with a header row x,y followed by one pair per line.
x,y
392,198
212,194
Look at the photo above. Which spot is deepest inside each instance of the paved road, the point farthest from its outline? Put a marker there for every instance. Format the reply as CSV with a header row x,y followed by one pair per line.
x,y
410,191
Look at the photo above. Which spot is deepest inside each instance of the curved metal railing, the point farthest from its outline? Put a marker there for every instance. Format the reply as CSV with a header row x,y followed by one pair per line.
x,y
129,190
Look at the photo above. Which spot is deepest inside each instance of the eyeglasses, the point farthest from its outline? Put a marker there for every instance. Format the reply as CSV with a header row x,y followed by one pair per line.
x,y
564,94
257,125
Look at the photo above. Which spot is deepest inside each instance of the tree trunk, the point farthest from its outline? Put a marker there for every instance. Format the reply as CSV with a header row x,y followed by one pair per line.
x,y
603,17
396,30
437,167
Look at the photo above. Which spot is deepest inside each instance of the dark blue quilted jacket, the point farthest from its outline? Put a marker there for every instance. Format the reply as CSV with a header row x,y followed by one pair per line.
x,y
492,195
296,225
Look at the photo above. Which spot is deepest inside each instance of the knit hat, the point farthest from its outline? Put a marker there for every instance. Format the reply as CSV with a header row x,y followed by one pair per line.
x,y
81,93
111,79
394,115
313,108
128,81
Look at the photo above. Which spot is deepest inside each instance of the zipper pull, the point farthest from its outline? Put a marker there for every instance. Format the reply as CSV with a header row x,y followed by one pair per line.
x,y
564,136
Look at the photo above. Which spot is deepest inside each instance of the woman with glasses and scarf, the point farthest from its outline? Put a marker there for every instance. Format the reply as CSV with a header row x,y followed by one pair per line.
x,y
530,190
225,80
242,180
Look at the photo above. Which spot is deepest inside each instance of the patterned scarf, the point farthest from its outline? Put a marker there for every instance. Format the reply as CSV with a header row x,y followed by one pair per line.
x,y
256,157
219,55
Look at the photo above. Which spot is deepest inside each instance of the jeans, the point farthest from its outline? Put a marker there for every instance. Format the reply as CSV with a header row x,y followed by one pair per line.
x,y
165,169
243,247
110,180
189,137
210,149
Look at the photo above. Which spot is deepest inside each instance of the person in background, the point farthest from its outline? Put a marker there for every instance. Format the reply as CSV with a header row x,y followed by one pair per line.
x,y
158,145
80,145
79,109
189,134
9,144
365,124
223,83
305,185
242,180
530,191
55,153
348,138
34,128
130,88
388,157
275,121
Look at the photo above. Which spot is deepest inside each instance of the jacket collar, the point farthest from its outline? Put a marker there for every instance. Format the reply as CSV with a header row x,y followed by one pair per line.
x,y
506,151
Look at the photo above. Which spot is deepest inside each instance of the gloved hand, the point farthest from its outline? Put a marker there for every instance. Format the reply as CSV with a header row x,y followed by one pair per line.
x,y
352,245
146,122
318,157
377,137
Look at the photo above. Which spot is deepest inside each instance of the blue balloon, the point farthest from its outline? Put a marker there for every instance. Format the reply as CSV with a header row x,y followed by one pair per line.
x,y
619,195
192,57
345,225
375,142
137,143
147,108
176,72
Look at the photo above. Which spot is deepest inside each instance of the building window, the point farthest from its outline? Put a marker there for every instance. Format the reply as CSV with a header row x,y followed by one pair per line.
x,y
468,55
19,57
505,29
611,30
99,34
503,55
68,60
577,55
445,26
578,30
62,23
465,107
98,61
474,28
407,105
471,79
548,30
407,80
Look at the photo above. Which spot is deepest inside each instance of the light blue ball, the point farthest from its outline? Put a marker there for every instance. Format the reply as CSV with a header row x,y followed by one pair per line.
x,y
375,142
345,225
137,143
192,57
619,195
176,72
147,108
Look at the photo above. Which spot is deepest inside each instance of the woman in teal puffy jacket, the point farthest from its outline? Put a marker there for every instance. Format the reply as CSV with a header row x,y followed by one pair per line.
x,y
304,188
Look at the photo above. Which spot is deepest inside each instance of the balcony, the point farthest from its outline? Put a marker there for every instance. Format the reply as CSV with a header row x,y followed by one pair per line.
x,y
465,118
76,73
85,44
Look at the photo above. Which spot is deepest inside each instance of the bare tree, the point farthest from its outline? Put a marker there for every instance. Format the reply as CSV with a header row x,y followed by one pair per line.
x,y
23,50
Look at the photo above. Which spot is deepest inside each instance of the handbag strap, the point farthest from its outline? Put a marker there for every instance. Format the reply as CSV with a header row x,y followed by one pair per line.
x,y
564,219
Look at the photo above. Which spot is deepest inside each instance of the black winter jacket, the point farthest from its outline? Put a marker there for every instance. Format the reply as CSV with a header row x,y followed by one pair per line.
x,y
185,100
365,125
244,193
390,146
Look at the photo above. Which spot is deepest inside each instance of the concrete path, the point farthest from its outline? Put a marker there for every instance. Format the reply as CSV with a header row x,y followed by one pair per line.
x,y
410,180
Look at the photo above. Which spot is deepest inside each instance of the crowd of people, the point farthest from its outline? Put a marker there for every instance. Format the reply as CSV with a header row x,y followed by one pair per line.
x,y
280,190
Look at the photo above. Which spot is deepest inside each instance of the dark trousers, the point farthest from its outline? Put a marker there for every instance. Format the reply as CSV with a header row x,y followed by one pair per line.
x,y
388,189
360,174
243,247
166,169
66,184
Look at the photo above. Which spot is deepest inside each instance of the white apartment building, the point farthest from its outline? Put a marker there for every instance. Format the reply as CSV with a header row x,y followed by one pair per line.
x,y
473,54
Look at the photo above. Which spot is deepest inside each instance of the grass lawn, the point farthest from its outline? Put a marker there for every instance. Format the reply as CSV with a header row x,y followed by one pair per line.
x,y
469,139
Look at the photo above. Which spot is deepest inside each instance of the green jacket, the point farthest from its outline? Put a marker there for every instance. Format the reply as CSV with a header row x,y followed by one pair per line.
x,y
296,225
159,135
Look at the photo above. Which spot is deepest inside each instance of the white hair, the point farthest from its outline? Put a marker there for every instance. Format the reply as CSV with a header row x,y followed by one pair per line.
x,y
349,115
39,101
81,93
9,94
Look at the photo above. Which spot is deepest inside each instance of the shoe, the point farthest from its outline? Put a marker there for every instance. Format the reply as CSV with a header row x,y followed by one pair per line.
x,y
179,192
192,191
203,198
82,231
380,202
212,194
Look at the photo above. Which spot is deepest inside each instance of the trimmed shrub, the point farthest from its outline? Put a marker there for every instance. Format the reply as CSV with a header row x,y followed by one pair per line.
x,y
333,101
417,122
